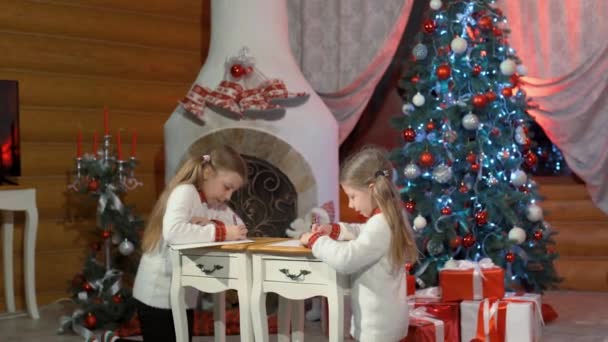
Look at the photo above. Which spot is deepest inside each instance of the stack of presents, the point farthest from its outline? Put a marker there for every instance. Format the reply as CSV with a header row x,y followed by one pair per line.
x,y
470,304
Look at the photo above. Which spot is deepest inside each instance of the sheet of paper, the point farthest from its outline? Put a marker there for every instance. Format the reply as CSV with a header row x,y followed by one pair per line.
x,y
288,243
207,244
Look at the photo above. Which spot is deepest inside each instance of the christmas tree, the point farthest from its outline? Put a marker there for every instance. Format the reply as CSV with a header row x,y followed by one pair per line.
x,y
101,291
466,149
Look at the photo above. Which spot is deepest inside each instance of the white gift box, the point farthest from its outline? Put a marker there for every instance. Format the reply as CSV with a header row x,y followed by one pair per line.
x,y
521,315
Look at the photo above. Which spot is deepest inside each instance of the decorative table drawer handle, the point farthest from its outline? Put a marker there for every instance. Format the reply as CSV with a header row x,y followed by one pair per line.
x,y
215,268
294,276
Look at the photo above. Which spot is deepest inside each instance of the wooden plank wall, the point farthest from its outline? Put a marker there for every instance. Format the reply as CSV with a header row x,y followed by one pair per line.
x,y
71,58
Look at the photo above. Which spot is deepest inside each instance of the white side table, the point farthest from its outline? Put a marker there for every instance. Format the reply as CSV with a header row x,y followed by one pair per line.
x,y
18,198
213,270
295,275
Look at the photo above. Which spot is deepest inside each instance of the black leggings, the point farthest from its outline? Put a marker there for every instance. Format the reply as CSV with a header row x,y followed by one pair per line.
x,y
157,324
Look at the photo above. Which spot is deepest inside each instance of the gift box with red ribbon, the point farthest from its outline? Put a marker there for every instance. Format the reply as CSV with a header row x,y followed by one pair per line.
x,y
468,280
424,327
515,318
448,312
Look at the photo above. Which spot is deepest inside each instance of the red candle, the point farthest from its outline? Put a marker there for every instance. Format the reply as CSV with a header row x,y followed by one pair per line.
x,y
133,143
79,144
118,145
106,119
95,144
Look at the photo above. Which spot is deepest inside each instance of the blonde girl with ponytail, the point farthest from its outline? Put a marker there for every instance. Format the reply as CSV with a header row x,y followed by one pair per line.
x,y
373,253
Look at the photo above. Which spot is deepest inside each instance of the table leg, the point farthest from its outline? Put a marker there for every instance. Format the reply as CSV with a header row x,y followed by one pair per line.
x,y
244,293
297,321
178,300
7,254
335,303
29,244
219,316
284,318
259,317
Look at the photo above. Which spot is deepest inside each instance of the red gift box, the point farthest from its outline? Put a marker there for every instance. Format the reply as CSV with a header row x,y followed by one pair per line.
x,y
424,328
448,312
472,281
411,285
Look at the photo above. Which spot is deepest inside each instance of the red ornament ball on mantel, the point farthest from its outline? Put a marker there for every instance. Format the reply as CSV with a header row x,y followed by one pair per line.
x,y
410,206
509,257
237,70
443,72
481,217
426,159
476,70
456,242
90,321
409,134
468,241
479,101
446,211
429,26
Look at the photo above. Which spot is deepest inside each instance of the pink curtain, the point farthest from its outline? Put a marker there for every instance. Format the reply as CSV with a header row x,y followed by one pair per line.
x,y
563,45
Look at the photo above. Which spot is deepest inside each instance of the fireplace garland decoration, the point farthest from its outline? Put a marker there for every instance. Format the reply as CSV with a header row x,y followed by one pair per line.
x,y
245,92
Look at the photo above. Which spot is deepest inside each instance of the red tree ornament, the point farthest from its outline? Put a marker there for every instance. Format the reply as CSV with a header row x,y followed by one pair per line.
x,y
514,79
430,126
497,32
475,167
93,185
446,211
429,26
538,235
471,157
410,206
456,242
481,217
409,134
509,257
485,23
87,287
530,159
507,92
415,79
490,96
426,159
468,241
495,131
117,298
463,188
479,101
90,321
105,234
443,72
476,70
237,70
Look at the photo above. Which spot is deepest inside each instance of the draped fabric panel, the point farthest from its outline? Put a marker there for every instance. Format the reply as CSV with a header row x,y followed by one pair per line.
x,y
563,45
344,47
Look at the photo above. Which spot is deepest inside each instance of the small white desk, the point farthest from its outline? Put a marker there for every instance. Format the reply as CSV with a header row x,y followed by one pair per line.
x,y
213,270
294,274
19,198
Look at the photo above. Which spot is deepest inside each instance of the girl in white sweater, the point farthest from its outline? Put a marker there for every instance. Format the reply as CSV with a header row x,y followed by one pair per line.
x,y
191,209
377,251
